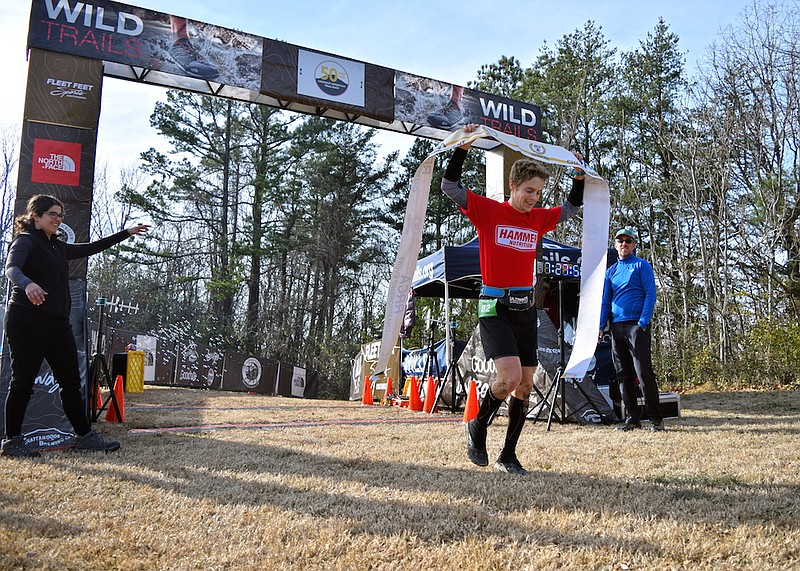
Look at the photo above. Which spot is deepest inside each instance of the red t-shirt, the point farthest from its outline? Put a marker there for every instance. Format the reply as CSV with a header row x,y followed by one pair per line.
x,y
508,239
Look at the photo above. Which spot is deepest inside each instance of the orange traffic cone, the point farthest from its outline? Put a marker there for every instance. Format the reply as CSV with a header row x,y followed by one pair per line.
x,y
414,402
430,395
471,408
388,393
119,397
367,396
98,400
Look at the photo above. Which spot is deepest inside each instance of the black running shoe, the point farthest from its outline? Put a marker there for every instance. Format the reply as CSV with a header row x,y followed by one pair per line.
x,y
658,426
93,442
187,56
16,447
447,116
476,443
629,425
511,467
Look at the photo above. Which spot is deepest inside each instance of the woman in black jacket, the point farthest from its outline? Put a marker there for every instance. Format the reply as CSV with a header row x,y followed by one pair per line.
x,y
37,320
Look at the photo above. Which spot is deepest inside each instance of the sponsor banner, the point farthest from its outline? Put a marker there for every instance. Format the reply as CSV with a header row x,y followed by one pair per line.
x,y
56,160
291,73
63,89
437,106
247,373
45,425
418,362
132,36
148,344
415,361
198,366
363,364
330,78
283,380
298,382
291,381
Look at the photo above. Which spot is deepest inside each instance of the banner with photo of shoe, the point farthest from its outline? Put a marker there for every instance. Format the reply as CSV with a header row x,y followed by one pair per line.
x,y
141,38
434,106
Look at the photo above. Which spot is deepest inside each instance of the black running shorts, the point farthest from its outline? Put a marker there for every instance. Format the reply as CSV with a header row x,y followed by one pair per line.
x,y
511,333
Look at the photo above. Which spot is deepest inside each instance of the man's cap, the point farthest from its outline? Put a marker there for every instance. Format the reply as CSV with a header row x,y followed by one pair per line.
x,y
627,231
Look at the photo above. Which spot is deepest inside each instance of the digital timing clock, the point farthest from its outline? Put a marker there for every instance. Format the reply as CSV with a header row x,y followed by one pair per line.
x,y
559,269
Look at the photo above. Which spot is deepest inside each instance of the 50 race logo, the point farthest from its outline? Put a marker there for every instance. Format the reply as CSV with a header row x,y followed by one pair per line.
x,y
331,78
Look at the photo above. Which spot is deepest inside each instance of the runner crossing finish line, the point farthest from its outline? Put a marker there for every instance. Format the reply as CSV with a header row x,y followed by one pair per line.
x,y
593,243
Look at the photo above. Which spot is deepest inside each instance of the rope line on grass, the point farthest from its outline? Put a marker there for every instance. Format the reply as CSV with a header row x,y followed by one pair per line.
x,y
296,424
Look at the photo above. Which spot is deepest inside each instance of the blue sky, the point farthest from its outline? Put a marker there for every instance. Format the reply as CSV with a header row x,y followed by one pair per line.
x,y
441,40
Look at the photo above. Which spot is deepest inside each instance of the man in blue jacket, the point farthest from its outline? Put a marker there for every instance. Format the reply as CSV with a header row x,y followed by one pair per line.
x,y
629,298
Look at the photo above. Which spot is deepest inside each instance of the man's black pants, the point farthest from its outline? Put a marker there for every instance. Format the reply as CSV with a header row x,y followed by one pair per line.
x,y
631,352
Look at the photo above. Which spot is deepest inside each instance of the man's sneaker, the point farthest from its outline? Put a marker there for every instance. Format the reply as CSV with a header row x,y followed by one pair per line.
x,y
447,116
93,442
511,467
658,426
629,425
476,443
16,447
187,56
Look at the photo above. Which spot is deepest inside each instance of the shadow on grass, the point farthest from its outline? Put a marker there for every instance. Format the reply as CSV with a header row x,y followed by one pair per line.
x,y
388,497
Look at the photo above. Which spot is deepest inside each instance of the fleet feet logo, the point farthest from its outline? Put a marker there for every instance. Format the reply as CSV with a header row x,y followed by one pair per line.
x,y
331,78
68,89
56,162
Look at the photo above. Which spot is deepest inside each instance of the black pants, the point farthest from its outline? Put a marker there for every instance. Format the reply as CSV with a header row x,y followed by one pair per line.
x,y
631,352
33,337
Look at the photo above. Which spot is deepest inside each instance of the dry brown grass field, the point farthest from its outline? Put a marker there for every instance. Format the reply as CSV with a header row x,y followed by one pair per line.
x,y
276,483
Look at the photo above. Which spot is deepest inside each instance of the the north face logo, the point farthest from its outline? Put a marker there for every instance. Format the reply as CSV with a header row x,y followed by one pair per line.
x,y
56,162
